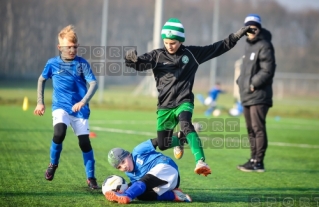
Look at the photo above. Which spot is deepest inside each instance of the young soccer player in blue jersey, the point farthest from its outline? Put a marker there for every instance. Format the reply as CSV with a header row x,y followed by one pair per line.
x,y
153,176
69,74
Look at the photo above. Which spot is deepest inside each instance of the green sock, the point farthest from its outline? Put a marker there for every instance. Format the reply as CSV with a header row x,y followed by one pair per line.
x,y
196,146
175,141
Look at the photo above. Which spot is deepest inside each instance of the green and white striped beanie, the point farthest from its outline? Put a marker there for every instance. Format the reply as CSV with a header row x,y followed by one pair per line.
x,y
173,29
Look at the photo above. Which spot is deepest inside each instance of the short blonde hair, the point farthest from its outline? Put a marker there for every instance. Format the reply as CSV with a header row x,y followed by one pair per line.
x,y
68,32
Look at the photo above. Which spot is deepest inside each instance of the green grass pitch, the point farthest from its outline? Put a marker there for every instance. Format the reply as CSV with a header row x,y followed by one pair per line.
x,y
292,168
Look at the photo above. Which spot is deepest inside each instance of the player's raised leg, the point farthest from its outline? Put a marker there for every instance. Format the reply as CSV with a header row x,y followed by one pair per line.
x,y
193,140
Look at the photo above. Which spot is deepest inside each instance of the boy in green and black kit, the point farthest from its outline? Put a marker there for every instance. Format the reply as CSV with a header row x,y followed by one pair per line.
x,y
174,68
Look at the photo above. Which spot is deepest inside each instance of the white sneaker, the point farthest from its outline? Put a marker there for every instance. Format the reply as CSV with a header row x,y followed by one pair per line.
x,y
178,152
202,168
180,196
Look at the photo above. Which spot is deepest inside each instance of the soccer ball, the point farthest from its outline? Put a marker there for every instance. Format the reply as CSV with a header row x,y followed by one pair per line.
x,y
216,112
114,183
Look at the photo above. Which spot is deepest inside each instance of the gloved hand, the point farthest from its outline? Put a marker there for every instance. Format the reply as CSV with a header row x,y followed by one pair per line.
x,y
243,31
131,55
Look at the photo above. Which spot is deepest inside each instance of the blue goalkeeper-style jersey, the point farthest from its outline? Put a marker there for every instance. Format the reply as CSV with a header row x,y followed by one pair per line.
x,y
69,81
145,157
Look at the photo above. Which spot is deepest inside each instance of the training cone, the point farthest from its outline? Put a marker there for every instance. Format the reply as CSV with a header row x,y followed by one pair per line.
x,y
25,104
92,135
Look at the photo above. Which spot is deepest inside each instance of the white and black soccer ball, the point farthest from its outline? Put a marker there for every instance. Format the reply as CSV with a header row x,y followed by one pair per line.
x,y
114,183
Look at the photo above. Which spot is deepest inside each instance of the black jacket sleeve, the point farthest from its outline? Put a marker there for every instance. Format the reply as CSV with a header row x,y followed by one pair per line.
x,y
205,53
144,62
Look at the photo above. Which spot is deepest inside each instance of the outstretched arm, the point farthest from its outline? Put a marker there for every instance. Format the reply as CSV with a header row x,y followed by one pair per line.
x,y
139,63
243,31
208,52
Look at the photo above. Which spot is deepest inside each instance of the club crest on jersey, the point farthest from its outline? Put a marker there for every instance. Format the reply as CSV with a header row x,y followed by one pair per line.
x,y
139,161
185,59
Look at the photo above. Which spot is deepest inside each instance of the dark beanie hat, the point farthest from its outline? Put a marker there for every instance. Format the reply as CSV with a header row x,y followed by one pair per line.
x,y
253,19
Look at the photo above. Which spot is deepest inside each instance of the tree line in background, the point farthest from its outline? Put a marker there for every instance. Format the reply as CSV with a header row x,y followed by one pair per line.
x,y
29,28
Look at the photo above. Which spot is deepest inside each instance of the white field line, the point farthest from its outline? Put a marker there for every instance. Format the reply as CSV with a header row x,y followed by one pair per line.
x,y
269,126
123,131
293,145
151,134
133,122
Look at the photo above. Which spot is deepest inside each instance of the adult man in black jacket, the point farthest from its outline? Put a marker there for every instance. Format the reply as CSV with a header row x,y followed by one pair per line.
x,y
255,86
174,68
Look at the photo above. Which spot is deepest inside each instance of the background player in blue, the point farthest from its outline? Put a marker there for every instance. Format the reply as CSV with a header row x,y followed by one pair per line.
x,y
211,99
153,176
69,74
213,94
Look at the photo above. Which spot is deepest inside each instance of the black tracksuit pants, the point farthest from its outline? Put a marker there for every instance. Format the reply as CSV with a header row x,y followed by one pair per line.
x,y
255,117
